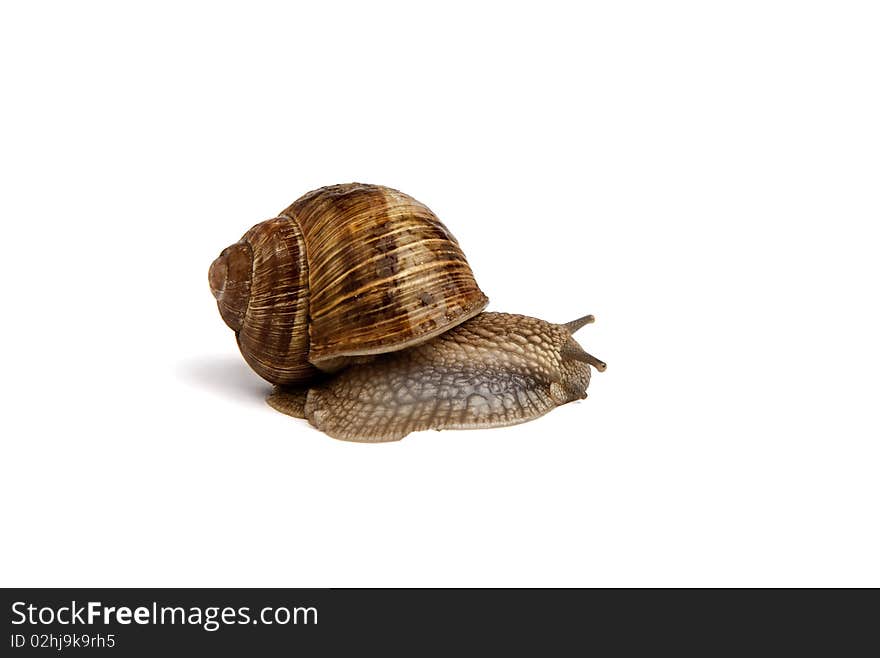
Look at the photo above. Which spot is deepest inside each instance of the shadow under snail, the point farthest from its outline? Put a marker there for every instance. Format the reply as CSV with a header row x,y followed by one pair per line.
x,y
359,305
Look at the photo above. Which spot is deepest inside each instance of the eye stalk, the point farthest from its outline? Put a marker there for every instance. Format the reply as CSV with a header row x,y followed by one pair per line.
x,y
574,325
574,351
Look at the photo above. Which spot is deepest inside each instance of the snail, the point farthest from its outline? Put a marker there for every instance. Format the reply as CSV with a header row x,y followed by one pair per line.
x,y
360,306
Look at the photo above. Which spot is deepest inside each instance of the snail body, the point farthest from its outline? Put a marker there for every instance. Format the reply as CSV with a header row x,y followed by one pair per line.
x,y
494,370
359,305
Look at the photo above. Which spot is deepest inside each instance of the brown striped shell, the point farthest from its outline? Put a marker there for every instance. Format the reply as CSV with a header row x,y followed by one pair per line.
x,y
345,271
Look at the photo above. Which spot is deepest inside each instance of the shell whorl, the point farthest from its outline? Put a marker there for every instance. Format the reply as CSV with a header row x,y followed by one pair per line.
x,y
384,272
261,286
230,279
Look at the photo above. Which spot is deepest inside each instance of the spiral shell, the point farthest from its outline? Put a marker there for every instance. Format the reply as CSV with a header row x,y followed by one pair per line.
x,y
345,271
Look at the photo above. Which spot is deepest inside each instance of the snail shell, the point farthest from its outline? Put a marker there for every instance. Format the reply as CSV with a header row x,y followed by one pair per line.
x,y
345,271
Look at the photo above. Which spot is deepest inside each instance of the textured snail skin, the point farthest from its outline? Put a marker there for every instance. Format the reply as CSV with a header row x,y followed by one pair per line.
x,y
494,370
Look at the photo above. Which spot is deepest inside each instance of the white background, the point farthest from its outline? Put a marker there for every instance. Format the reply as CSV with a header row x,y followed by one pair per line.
x,y
703,177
